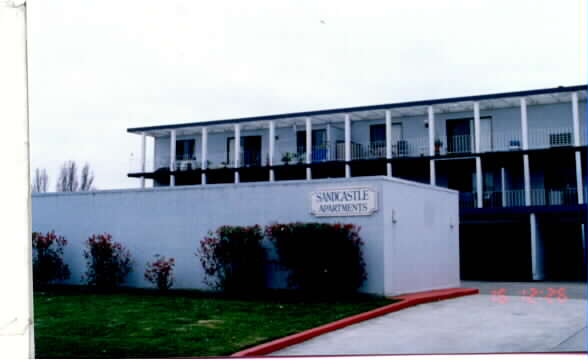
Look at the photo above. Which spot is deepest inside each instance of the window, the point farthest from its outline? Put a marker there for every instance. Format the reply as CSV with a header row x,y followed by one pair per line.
x,y
185,149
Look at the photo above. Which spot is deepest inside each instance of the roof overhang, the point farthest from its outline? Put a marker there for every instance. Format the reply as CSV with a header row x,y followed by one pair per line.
x,y
377,112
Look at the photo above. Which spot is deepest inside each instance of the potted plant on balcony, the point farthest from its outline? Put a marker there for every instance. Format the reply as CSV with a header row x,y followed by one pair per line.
x,y
286,158
300,157
438,146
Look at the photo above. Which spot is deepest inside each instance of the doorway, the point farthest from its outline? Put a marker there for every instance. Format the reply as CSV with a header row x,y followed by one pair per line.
x,y
250,150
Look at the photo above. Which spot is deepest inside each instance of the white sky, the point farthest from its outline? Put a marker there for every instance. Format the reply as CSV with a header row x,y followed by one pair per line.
x,y
97,68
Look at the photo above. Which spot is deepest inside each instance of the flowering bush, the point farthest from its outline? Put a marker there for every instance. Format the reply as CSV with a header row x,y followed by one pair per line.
x,y
233,259
108,262
160,272
48,264
322,258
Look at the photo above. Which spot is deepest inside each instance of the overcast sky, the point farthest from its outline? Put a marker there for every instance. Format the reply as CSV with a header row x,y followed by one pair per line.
x,y
97,68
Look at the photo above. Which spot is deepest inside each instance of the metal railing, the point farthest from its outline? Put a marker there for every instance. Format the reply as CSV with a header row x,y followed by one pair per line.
x,y
516,198
540,138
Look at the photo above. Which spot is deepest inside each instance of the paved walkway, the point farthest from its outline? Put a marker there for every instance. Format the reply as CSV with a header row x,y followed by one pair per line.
x,y
495,321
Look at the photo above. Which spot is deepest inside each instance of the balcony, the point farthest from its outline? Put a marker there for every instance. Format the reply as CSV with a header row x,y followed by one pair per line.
x,y
516,198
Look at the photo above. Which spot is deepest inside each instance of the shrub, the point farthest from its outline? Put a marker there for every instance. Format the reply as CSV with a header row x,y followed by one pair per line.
x,y
322,258
48,264
233,259
108,262
160,272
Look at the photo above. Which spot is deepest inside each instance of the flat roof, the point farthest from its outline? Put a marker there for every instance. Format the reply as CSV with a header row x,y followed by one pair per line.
x,y
515,94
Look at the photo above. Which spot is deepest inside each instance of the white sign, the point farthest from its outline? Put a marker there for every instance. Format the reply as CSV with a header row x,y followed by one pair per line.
x,y
347,201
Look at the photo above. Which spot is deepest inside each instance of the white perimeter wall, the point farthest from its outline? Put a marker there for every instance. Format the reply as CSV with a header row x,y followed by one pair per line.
x,y
422,246
418,252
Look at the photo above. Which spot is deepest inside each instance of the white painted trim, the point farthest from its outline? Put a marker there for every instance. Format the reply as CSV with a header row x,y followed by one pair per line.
x,y
433,177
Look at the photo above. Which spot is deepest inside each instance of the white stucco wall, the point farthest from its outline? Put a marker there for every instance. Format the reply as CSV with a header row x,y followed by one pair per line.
x,y
172,221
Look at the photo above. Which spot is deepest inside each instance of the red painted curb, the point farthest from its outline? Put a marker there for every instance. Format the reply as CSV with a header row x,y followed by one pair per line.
x,y
406,301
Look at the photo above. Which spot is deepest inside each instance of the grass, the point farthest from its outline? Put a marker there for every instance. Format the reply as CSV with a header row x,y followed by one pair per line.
x,y
79,323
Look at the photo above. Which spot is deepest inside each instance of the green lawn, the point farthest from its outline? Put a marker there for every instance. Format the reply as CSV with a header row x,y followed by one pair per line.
x,y
77,323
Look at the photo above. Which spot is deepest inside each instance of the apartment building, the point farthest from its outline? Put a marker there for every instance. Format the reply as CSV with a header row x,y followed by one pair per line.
x,y
518,160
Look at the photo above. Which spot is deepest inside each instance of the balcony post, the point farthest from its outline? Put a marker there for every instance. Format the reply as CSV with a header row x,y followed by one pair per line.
x,y
172,157
579,180
143,150
388,143
308,147
431,130
479,183
432,174
527,179
477,136
329,158
237,154
347,145
536,249
576,119
204,156
503,186
524,124
272,141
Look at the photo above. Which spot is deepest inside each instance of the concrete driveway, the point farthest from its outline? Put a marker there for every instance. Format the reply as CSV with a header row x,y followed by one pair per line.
x,y
516,319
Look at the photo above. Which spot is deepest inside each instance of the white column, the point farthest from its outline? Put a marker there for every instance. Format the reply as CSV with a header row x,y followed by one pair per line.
x,y
16,312
431,130
347,145
172,157
477,127
479,183
576,119
329,158
579,179
527,179
143,150
524,124
388,142
204,156
308,147
536,249
503,186
432,172
272,141
237,151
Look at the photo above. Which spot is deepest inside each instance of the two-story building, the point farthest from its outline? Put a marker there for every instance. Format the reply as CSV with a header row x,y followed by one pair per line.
x,y
518,160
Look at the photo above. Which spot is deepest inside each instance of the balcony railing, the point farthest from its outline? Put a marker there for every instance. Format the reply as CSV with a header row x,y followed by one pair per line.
x,y
516,198
550,137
